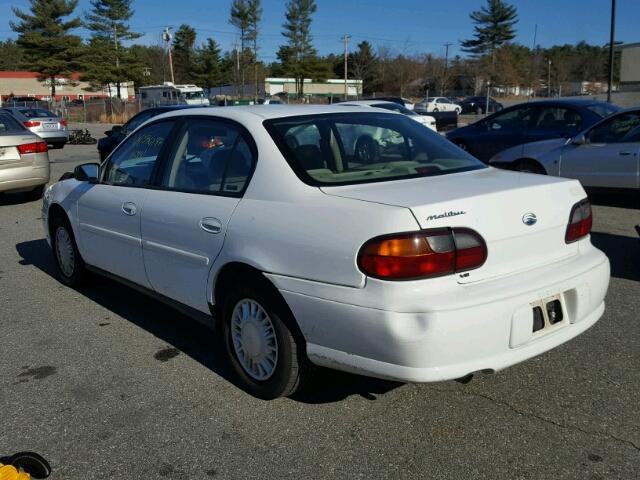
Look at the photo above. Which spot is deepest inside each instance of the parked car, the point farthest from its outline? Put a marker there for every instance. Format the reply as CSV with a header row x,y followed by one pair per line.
x,y
118,133
528,122
24,158
270,222
437,104
270,101
478,105
405,102
604,155
425,120
47,125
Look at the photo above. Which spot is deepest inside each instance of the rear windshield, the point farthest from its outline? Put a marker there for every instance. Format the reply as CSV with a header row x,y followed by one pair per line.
x,y
349,148
603,109
36,113
8,124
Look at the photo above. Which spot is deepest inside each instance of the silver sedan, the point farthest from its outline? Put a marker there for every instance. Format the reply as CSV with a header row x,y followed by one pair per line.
x,y
43,123
24,160
606,155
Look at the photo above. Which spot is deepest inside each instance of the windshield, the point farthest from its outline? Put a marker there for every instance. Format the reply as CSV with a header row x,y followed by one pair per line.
x,y
36,113
348,148
395,107
193,95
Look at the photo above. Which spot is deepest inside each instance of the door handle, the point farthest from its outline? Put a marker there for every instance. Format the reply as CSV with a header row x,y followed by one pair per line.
x,y
211,225
625,153
129,208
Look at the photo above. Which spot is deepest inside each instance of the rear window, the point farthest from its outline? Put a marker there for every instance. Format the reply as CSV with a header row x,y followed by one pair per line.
x,y
603,109
8,124
36,113
349,148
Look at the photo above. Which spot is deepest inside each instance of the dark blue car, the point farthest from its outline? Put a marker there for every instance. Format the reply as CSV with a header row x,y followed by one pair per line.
x,y
529,122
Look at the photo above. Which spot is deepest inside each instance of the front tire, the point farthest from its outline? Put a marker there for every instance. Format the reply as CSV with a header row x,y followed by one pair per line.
x,y
260,343
69,263
529,166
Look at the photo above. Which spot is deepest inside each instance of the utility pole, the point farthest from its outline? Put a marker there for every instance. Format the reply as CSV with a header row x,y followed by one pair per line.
x,y
166,36
548,78
446,67
345,39
611,43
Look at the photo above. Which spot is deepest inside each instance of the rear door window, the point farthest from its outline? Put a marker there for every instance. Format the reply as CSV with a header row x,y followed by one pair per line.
x,y
557,119
209,156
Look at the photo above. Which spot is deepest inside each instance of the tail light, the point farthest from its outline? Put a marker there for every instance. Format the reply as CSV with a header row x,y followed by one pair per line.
x,y
580,221
424,254
31,123
37,147
63,123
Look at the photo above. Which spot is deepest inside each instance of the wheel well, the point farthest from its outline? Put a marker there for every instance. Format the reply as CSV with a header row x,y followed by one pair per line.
x,y
532,162
56,211
234,272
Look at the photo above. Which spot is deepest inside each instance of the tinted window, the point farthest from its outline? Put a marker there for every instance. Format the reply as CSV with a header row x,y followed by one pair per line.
x,y
615,129
8,124
603,109
36,113
132,163
211,157
557,118
517,119
349,148
138,120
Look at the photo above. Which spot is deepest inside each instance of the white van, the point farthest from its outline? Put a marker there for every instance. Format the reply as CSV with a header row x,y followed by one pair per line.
x,y
170,94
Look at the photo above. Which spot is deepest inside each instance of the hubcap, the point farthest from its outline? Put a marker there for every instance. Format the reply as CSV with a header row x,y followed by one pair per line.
x,y
64,252
254,339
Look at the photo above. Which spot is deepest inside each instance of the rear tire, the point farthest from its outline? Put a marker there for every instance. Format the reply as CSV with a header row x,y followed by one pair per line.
x,y
260,342
71,268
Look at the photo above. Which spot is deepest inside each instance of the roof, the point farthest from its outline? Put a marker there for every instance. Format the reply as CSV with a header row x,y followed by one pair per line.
x,y
268,111
28,74
364,102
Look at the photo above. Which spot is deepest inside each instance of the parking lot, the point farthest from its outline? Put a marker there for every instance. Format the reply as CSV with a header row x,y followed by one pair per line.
x,y
106,383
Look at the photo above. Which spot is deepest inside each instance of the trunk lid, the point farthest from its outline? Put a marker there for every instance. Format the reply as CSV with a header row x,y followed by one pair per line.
x,y
498,204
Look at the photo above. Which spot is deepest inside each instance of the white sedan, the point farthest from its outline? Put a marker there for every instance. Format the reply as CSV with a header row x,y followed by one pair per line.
x,y
425,120
307,241
437,104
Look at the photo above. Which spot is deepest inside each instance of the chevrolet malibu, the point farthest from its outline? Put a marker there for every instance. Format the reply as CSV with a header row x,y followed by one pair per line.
x,y
407,260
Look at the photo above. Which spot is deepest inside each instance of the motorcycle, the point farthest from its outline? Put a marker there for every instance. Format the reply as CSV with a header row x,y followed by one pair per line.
x,y
81,137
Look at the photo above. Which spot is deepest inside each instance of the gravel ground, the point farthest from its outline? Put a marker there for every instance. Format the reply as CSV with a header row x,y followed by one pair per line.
x,y
108,384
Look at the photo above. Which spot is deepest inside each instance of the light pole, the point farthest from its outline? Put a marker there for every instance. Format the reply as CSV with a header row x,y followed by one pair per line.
x,y
548,77
612,35
346,56
166,36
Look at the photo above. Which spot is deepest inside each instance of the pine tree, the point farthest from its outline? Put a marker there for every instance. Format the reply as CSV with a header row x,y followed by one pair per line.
x,y
107,61
44,35
183,54
208,64
493,28
298,56
363,64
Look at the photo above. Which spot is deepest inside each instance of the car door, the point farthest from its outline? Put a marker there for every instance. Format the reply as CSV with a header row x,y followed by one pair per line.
x,y
501,131
109,211
185,218
609,157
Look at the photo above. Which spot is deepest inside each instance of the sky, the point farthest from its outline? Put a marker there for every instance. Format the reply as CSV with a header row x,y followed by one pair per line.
x,y
409,26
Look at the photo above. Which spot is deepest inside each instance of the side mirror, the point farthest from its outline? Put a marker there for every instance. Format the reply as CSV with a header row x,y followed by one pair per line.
x,y
87,172
579,139
116,129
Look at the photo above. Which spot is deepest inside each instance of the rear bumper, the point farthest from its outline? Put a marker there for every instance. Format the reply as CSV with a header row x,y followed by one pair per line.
x,y
481,327
25,178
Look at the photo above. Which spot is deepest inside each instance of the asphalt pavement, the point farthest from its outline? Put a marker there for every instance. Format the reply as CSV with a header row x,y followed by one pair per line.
x,y
108,384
